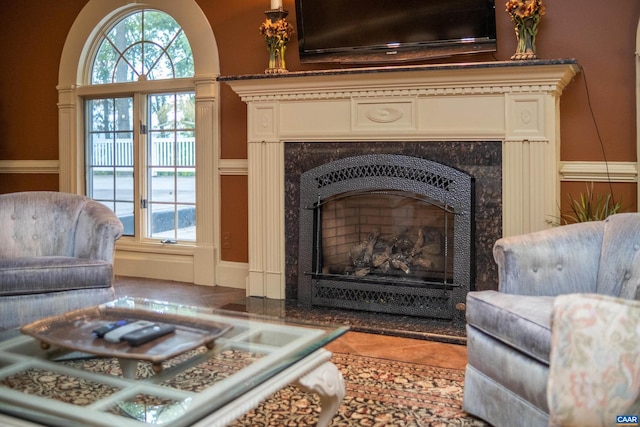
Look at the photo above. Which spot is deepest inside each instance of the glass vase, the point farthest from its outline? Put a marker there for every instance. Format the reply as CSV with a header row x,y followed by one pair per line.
x,y
277,63
526,30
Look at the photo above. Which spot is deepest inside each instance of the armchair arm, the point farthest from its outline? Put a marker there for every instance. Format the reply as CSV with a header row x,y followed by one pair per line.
x,y
97,230
594,369
550,262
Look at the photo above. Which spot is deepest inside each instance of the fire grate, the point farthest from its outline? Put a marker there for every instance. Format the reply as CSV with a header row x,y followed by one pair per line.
x,y
449,189
382,299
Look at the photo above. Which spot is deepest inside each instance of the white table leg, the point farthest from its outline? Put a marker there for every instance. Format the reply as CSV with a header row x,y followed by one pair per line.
x,y
326,381
129,368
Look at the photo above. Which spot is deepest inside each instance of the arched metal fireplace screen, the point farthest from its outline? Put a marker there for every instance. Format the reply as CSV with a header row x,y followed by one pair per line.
x,y
386,233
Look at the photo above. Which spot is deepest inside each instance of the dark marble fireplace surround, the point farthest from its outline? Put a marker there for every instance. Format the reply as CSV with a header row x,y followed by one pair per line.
x,y
480,159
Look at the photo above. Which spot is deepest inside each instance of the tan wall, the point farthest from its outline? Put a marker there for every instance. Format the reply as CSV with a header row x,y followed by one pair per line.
x,y
234,218
600,35
10,183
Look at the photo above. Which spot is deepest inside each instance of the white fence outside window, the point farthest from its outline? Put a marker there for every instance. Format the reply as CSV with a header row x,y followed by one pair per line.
x,y
162,153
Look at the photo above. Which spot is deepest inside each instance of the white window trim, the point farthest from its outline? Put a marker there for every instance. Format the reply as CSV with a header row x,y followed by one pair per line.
x,y
195,263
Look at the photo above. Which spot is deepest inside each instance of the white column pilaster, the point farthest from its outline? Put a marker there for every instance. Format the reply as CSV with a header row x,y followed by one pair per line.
x,y
266,203
207,183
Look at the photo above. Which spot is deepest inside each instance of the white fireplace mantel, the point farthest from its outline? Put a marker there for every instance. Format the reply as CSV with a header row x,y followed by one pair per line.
x,y
517,103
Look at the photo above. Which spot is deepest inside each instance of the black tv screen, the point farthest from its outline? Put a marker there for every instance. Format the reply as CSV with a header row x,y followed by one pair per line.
x,y
393,30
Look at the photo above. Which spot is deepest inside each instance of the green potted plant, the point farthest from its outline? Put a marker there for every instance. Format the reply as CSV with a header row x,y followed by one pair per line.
x,y
590,207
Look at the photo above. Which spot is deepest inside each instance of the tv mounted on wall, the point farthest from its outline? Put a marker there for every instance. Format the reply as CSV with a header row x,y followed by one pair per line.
x,y
379,31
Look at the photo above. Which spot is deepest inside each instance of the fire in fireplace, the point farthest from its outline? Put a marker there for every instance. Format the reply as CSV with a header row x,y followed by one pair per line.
x,y
386,233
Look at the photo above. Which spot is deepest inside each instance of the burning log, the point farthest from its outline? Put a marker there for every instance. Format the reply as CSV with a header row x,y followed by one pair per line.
x,y
362,252
362,272
400,262
399,252
373,239
430,254
381,258
417,247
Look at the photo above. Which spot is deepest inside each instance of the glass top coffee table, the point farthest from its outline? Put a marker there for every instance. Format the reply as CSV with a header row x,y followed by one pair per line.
x,y
53,377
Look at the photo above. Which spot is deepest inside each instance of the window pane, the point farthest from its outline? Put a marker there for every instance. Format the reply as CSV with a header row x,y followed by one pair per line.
x,y
162,186
180,53
100,149
186,149
186,186
160,28
123,72
123,114
104,63
103,185
177,223
125,213
123,153
186,222
162,68
100,115
162,108
171,149
110,155
186,108
126,32
147,44
124,184
134,59
162,221
161,150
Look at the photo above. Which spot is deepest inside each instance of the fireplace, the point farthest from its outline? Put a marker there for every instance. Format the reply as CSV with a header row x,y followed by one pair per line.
x,y
482,118
386,233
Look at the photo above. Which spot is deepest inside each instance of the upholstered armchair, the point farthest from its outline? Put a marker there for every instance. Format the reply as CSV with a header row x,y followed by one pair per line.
x,y
525,340
594,367
56,255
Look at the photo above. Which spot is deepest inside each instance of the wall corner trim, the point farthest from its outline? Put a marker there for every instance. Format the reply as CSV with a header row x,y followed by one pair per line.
x,y
599,171
30,166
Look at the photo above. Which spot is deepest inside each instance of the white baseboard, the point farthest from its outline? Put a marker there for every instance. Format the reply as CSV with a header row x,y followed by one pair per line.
x,y
232,274
154,266
177,267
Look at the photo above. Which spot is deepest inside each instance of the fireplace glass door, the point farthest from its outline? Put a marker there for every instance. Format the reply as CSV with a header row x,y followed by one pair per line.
x,y
384,237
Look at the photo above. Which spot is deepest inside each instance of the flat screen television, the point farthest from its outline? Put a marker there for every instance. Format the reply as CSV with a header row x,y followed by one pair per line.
x,y
379,31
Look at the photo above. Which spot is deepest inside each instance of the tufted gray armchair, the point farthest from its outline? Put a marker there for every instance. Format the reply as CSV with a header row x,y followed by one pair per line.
x,y
509,331
56,255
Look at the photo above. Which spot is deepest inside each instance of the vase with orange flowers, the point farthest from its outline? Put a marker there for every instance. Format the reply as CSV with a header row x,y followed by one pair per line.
x,y
277,33
525,14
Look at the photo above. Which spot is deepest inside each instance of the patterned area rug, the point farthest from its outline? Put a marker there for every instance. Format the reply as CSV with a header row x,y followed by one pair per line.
x,y
379,392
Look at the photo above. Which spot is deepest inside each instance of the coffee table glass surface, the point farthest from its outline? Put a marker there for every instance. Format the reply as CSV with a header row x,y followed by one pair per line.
x,y
54,382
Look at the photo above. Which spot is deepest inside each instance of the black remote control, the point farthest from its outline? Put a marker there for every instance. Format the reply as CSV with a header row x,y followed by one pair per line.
x,y
102,330
115,335
142,336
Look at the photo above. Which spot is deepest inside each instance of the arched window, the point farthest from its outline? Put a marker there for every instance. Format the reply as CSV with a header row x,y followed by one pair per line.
x,y
144,45
139,131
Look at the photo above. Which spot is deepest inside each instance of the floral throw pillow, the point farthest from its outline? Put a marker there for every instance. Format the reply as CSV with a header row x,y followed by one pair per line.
x,y
594,370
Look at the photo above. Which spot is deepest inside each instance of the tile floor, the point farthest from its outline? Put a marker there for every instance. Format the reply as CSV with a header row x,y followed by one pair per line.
x,y
404,349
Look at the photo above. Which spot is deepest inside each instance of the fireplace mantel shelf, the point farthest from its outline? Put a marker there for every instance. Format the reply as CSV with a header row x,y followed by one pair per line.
x,y
515,102
402,69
